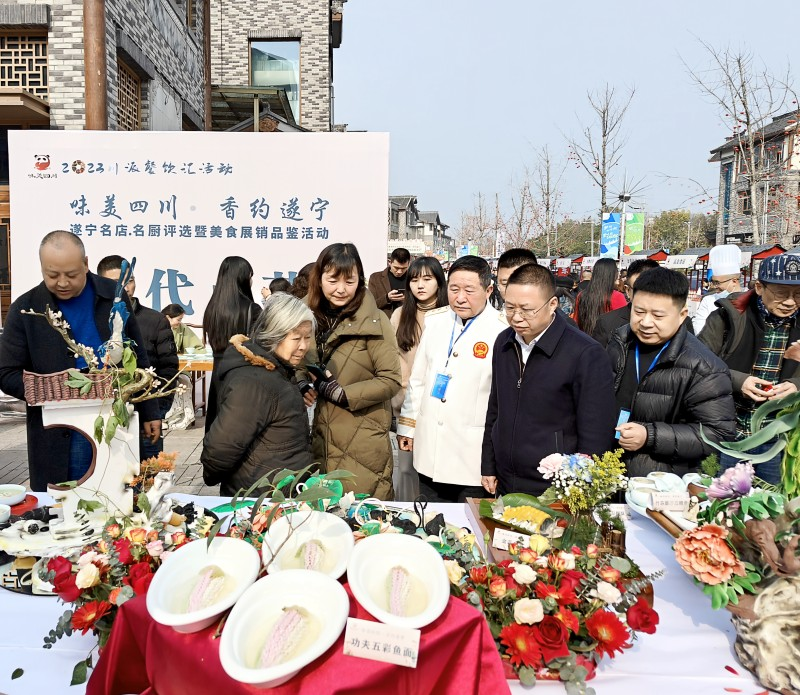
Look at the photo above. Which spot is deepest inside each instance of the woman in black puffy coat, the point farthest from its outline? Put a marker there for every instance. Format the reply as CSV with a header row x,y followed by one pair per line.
x,y
261,424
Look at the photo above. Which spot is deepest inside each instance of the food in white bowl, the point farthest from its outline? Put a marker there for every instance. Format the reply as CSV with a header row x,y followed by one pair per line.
x,y
12,494
399,580
200,582
308,540
280,624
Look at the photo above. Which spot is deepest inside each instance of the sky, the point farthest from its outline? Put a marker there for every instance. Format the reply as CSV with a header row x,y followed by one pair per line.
x,y
469,90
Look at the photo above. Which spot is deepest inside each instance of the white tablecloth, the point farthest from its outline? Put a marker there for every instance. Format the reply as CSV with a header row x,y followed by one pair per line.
x,y
687,655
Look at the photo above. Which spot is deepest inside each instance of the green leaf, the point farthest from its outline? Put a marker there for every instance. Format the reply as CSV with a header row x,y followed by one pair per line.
x,y
339,474
89,505
278,497
312,494
111,428
79,673
143,503
121,412
257,506
214,530
129,360
86,388
527,676
98,429
76,373
621,564
17,673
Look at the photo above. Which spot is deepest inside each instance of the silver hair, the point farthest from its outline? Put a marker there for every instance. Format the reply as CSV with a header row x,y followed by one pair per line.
x,y
282,314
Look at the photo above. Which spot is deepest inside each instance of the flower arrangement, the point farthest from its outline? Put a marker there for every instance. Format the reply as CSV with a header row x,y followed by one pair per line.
x,y
101,576
556,615
737,543
581,482
126,382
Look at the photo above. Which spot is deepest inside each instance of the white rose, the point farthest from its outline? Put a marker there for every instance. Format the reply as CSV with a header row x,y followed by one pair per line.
x,y
87,577
569,560
607,592
454,571
523,574
528,610
87,558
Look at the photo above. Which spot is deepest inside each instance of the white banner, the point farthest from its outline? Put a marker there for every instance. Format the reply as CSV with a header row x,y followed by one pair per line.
x,y
180,202
415,246
686,261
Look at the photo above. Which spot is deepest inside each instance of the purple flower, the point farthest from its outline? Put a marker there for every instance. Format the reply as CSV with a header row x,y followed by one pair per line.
x,y
734,482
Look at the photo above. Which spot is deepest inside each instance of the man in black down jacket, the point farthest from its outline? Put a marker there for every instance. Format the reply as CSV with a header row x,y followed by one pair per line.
x,y
158,341
29,343
667,381
552,389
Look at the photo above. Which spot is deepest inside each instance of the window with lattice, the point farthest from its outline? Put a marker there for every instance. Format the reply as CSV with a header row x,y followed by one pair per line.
x,y
23,63
129,101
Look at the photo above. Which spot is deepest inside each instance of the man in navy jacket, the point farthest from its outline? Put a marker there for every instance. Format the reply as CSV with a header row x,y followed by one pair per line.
x,y
552,389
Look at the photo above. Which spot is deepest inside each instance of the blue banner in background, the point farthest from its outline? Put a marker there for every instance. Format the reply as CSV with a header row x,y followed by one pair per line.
x,y
609,236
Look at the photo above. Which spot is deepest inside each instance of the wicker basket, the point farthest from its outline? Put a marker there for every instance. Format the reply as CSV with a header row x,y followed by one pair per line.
x,y
46,388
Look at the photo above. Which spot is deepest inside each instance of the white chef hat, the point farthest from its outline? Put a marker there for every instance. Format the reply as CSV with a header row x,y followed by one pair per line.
x,y
725,260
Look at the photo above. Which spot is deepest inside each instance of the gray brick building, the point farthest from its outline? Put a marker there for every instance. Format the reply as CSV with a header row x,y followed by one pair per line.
x,y
278,51
776,203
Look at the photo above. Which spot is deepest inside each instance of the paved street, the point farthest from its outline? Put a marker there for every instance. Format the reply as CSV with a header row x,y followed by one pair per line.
x,y
188,444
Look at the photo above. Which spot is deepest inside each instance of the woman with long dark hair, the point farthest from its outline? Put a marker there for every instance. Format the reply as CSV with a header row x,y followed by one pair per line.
x,y
356,370
599,297
426,289
230,311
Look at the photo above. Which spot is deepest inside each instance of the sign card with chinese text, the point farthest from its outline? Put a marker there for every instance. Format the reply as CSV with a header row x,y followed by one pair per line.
x,y
180,202
379,642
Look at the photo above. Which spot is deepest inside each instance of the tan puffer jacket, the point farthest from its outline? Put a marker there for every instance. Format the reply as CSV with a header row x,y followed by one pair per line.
x,y
364,359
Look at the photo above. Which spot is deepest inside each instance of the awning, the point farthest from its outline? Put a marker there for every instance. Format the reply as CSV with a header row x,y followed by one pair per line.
x,y
230,105
18,107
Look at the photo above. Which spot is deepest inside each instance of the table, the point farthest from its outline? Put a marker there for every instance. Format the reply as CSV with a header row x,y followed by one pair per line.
x,y
198,367
687,655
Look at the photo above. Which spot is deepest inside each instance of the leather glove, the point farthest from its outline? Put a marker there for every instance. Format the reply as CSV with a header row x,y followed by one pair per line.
x,y
331,391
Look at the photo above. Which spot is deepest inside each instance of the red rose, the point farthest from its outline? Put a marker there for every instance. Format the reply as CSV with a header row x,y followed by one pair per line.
x,y
139,578
60,565
66,589
479,575
513,585
551,636
641,617
123,550
571,580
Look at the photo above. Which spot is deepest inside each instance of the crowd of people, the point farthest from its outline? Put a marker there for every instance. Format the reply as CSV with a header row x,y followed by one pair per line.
x,y
477,377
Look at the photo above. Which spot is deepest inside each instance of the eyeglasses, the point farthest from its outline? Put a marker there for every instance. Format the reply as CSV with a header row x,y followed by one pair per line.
x,y
783,295
720,283
524,313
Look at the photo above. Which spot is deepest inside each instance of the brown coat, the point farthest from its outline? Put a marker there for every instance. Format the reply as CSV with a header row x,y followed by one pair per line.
x,y
379,286
365,362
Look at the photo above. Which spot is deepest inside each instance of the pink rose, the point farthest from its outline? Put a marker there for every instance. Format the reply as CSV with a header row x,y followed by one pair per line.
x,y
155,548
550,465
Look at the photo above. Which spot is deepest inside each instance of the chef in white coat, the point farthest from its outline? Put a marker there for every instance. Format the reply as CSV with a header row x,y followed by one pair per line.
x,y
444,412
725,262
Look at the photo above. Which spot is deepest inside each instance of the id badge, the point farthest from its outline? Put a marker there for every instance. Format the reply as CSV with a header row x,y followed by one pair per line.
x,y
624,416
440,386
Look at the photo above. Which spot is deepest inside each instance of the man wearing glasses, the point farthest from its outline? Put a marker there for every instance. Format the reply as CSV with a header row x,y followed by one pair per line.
x,y
552,389
751,332
725,262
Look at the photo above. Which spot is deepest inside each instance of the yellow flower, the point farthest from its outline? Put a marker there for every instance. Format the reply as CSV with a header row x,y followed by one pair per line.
x,y
454,571
137,534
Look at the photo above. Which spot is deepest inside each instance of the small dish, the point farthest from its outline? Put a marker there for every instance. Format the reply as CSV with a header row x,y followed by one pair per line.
x,y
308,540
392,569
11,494
5,513
255,619
200,582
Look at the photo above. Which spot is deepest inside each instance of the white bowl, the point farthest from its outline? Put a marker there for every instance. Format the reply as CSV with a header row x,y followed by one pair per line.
x,y
331,532
12,494
5,512
369,574
253,617
667,482
173,583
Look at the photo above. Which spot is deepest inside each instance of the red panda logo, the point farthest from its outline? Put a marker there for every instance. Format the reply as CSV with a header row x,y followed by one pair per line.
x,y
41,161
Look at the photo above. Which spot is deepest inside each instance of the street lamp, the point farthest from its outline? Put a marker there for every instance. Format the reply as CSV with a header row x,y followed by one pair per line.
x,y
623,198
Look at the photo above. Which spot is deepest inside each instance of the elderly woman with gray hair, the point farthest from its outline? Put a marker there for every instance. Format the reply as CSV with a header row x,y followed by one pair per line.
x,y
261,425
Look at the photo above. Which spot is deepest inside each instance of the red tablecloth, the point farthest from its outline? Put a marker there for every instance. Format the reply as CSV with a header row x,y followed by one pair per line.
x,y
457,655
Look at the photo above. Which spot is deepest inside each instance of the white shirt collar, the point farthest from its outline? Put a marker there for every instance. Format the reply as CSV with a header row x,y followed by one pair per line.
x,y
528,347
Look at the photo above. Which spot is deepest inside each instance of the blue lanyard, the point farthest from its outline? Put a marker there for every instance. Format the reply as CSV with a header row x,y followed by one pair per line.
x,y
452,334
654,361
